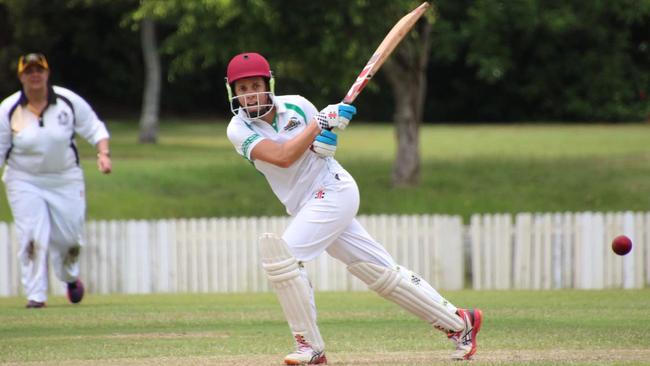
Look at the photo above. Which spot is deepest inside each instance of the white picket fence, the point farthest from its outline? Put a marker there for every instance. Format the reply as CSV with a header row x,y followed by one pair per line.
x,y
220,255
562,250
527,251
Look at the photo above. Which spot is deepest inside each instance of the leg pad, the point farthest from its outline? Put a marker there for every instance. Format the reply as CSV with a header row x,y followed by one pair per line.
x,y
401,289
292,288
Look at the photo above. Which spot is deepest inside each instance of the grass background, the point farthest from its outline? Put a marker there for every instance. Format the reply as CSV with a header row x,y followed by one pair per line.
x,y
212,327
194,171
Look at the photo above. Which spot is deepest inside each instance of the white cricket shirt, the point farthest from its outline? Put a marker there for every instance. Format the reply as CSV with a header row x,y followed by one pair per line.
x,y
292,185
35,145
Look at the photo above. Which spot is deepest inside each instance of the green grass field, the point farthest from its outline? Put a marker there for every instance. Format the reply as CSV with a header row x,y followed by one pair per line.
x,y
520,328
194,171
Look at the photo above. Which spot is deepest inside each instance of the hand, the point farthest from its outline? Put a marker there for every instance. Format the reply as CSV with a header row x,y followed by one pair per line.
x,y
325,144
104,163
335,115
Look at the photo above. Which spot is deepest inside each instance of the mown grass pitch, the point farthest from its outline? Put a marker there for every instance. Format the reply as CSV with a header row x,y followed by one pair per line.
x,y
520,328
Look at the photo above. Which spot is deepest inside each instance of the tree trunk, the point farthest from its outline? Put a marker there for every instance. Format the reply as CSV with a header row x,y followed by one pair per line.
x,y
405,71
151,95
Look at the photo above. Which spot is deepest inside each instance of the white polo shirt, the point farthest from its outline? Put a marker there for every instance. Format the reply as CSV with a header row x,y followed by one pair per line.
x,y
34,145
293,185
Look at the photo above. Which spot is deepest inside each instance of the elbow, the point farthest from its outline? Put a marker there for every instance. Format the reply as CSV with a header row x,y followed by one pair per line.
x,y
284,163
285,160
282,157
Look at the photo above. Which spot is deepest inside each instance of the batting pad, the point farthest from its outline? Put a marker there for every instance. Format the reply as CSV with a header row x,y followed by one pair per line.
x,y
293,289
398,288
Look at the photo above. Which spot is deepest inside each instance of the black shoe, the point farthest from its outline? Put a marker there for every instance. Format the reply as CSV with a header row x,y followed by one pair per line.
x,y
35,304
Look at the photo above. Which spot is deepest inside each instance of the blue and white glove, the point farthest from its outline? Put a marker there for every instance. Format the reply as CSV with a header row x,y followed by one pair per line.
x,y
325,143
335,115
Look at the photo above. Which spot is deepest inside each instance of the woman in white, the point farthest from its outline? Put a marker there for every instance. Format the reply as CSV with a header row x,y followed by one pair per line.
x,y
43,179
291,144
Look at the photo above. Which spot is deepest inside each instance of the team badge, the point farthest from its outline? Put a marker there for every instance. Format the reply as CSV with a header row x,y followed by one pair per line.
x,y
292,124
63,118
320,194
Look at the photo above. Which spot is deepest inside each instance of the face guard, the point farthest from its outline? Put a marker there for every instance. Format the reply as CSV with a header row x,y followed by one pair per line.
x,y
255,105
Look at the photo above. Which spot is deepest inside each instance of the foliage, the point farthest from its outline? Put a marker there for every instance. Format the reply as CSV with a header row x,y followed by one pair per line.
x,y
492,60
88,50
314,51
547,60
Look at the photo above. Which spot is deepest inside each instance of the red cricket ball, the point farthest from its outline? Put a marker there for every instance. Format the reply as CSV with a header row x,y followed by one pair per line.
x,y
621,245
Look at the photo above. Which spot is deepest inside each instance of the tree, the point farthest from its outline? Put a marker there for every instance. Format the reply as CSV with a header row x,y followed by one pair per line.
x,y
341,38
349,32
406,72
151,93
544,59
343,31
87,48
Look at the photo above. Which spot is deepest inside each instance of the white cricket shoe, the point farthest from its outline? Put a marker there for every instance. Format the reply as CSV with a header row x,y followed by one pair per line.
x,y
465,339
305,354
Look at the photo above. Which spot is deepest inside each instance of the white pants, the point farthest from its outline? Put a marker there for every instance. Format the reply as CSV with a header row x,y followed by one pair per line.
x,y
49,217
327,223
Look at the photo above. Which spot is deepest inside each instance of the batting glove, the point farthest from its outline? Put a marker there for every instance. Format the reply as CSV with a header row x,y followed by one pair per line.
x,y
325,144
335,115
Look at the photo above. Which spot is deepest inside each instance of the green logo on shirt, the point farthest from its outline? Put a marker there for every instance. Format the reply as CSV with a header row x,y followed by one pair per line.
x,y
292,124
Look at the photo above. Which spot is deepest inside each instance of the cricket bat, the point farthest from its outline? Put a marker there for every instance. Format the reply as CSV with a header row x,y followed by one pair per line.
x,y
392,39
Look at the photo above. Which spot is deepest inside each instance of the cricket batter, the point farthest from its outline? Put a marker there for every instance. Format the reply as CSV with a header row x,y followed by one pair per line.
x,y
289,141
45,184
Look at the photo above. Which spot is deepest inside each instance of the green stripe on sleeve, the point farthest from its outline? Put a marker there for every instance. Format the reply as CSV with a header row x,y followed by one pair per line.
x,y
297,109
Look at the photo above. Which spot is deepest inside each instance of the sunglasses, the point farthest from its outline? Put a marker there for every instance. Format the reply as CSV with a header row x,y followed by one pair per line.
x,y
32,59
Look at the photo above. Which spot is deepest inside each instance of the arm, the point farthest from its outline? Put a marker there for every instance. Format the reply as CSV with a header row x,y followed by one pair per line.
x,y
5,135
283,155
104,163
91,128
87,124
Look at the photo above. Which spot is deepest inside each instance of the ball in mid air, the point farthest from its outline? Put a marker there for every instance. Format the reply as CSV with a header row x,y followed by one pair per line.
x,y
621,245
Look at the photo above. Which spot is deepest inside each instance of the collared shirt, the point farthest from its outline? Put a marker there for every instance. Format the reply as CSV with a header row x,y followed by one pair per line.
x,y
292,185
33,144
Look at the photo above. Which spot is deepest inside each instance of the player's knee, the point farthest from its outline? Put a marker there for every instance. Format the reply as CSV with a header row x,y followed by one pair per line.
x,y
277,261
74,251
30,250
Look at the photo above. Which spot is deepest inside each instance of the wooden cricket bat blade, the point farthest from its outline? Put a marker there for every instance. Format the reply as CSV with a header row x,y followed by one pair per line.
x,y
386,47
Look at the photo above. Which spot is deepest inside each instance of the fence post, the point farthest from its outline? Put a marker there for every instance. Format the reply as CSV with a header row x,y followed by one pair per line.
x,y
628,260
522,251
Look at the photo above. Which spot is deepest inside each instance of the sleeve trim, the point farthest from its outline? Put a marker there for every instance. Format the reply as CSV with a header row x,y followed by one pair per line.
x,y
248,144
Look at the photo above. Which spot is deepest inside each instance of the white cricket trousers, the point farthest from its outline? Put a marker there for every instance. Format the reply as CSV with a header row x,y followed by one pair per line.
x,y
327,223
49,215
